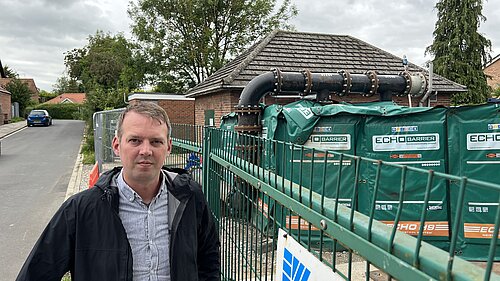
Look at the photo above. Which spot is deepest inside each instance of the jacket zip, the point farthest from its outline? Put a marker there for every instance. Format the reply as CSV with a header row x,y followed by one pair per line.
x,y
108,196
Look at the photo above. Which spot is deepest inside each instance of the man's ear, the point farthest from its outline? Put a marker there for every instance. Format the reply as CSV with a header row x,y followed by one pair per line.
x,y
169,146
116,145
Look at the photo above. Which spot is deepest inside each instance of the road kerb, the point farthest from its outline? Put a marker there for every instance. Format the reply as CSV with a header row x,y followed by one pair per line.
x,y
76,175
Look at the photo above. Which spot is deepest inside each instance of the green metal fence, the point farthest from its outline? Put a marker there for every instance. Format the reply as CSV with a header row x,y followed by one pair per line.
x,y
187,141
252,197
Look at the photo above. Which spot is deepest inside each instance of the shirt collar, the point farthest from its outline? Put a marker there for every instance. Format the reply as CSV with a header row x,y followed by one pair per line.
x,y
129,194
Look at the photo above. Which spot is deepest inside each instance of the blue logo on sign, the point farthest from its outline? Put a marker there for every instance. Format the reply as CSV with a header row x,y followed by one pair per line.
x,y
293,269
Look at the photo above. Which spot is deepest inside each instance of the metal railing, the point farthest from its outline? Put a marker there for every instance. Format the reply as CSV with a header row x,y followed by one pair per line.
x,y
187,142
253,192
256,186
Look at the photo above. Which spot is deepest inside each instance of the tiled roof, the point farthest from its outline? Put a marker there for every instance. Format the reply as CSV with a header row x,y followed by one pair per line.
x,y
320,53
68,97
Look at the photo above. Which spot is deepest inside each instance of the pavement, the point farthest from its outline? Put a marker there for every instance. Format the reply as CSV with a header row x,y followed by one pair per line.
x,y
76,175
8,129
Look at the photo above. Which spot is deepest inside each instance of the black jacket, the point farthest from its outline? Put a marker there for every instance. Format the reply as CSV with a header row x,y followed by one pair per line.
x,y
86,236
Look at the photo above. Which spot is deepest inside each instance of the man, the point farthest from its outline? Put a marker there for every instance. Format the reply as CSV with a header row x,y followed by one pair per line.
x,y
139,222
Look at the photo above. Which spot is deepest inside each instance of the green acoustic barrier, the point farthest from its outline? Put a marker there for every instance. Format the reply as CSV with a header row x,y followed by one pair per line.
x,y
412,138
474,146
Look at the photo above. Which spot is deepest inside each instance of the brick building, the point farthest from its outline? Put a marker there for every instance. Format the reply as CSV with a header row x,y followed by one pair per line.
x,y
179,108
296,51
35,93
492,69
5,100
5,106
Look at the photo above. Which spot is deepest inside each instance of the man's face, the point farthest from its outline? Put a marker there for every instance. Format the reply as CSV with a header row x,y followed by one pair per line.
x,y
142,148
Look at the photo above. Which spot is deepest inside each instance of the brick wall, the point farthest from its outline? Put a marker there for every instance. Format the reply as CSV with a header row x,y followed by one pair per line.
x,y
224,103
5,103
179,111
441,99
221,103
493,70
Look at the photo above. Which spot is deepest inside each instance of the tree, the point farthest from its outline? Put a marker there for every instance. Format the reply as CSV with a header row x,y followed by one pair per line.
x,y
45,96
20,92
107,63
459,51
496,93
9,72
65,84
185,41
107,68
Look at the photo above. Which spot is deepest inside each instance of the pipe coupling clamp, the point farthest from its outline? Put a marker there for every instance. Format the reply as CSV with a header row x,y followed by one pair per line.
x,y
347,82
407,76
372,75
307,82
278,81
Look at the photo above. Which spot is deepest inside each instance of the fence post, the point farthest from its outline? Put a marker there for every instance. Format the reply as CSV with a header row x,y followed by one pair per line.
x,y
206,158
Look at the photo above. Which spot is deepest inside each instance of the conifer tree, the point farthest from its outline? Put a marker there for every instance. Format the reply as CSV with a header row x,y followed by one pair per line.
x,y
459,50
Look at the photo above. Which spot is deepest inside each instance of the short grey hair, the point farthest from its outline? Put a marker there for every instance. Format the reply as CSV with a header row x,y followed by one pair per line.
x,y
145,108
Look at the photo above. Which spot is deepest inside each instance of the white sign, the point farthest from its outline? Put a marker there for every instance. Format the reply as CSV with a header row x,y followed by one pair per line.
x,y
483,141
306,112
294,262
405,142
330,141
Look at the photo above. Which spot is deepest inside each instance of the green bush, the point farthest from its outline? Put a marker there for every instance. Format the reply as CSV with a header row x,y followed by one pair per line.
x,y
16,119
88,158
496,92
59,111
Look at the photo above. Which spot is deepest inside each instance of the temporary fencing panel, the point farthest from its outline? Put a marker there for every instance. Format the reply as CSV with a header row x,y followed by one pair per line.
x,y
474,145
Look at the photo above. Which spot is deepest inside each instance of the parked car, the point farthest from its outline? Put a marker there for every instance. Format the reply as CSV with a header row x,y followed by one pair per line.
x,y
39,117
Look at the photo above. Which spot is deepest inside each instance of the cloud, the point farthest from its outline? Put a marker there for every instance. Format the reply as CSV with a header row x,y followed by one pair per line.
x,y
401,27
34,35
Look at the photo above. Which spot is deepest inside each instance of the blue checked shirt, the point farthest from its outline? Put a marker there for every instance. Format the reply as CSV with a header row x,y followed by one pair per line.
x,y
147,231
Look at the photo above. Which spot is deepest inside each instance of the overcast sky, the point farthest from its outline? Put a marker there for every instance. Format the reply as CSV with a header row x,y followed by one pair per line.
x,y
35,34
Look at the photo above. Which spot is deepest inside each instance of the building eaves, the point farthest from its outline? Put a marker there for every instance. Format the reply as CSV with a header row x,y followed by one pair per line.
x,y
4,91
157,96
492,61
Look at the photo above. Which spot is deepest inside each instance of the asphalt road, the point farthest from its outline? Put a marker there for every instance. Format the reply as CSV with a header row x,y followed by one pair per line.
x,y
35,168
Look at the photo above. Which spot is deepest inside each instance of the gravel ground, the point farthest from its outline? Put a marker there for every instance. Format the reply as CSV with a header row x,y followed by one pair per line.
x,y
86,169
84,183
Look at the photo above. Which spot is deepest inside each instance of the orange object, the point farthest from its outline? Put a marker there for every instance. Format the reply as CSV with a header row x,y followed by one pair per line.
x,y
431,228
94,175
479,230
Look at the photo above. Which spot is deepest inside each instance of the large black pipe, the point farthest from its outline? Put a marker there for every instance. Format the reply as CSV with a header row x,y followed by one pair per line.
x,y
257,88
305,83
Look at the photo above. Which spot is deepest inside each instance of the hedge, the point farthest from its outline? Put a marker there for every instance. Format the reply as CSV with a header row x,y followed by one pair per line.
x,y
59,111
